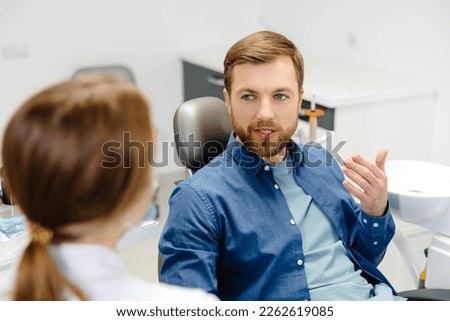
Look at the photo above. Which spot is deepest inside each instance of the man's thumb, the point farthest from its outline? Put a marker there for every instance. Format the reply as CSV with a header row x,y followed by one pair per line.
x,y
381,158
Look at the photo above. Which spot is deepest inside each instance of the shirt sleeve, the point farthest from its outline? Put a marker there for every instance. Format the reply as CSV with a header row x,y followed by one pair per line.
x,y
189,242
374,234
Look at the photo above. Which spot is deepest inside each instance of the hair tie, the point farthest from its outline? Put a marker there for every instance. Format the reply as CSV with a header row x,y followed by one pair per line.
x,y
40,234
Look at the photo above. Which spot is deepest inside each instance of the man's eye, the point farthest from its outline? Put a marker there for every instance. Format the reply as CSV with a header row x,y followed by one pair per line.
x,y
280,97
248,97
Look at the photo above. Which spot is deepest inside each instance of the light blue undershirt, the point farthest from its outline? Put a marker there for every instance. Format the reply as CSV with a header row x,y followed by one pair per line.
x,y
329,272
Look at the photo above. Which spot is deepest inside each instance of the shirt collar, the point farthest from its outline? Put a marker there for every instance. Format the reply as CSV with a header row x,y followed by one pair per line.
x,y
252,162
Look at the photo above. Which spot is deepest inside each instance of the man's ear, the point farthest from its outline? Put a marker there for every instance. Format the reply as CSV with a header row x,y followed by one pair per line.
x,y
227,100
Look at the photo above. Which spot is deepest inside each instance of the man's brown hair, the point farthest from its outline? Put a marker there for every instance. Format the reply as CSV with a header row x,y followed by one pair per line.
x,y
262,47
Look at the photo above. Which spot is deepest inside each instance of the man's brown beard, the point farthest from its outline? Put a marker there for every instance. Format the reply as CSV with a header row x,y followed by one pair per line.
x,y
264,148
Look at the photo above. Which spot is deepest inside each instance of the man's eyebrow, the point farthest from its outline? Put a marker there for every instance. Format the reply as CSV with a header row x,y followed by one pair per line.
x,y
253,91
248,90
283,89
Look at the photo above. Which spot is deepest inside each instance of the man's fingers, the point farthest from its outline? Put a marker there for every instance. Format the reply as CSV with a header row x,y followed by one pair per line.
x,y
381,158
362,167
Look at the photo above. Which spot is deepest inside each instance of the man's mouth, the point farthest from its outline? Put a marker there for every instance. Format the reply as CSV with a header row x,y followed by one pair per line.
x,y
265,133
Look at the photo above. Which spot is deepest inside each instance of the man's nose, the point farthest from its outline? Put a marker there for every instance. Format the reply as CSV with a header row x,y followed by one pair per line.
x,y
265,111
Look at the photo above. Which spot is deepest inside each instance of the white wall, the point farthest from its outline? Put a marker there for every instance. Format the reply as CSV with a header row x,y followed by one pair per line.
x,y
46,41
407,37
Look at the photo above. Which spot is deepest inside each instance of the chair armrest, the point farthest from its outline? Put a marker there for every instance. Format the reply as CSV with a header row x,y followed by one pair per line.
x,y
426,295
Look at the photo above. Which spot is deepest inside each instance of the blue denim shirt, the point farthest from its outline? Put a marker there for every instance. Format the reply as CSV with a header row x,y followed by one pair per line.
x,y
229,230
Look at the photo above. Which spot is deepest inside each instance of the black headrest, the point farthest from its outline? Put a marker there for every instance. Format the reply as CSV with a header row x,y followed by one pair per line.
x,y
202,127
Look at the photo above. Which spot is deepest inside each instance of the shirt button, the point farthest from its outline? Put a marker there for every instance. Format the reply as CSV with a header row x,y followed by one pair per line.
x,y
292,221
375,224
375,243
276,186
299,262
266,168
364,221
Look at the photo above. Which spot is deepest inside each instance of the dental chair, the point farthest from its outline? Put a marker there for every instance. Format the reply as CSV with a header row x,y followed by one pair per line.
x,y
202,127
116,70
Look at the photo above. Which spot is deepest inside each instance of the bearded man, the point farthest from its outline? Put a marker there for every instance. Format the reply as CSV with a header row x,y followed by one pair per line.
x,y
269,219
